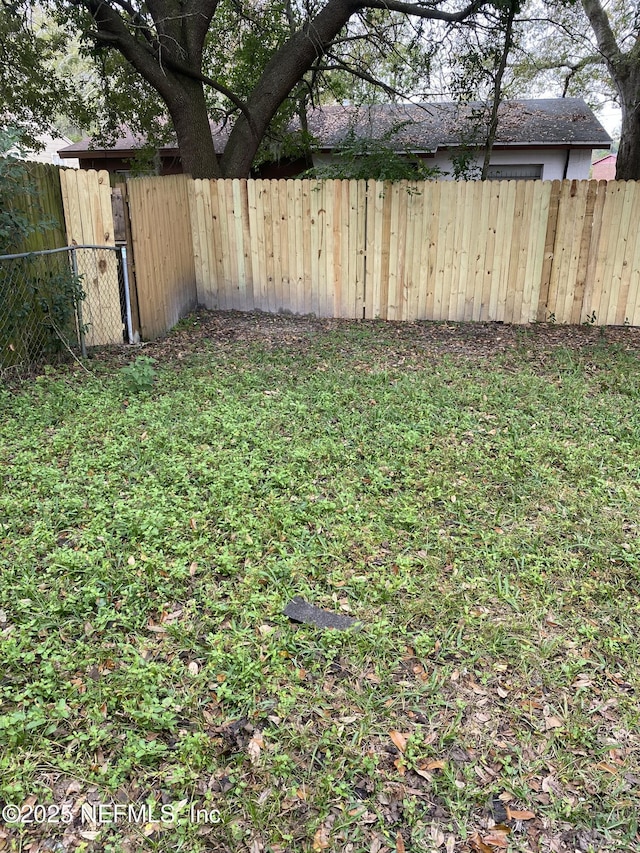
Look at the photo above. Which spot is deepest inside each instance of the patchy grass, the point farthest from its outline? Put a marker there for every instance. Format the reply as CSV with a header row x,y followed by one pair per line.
x,y
478,515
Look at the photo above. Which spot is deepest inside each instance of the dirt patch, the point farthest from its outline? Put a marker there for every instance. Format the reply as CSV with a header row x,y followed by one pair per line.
x,y
200,330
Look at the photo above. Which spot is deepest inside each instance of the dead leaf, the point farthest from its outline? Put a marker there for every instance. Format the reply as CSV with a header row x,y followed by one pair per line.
x,y
398,739
376,845
552,723
193,568
608,768
193,668
434,765
193,524
423,774
477,844
169,618
254,747
517,814
437,835
400,766
321,839
497,839
400,848
451,843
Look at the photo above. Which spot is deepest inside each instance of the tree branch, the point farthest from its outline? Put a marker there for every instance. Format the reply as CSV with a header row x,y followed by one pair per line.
x,y
180,68
362,75
420,11
600,25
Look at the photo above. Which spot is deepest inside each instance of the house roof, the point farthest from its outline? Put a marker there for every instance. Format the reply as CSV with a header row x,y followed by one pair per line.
x,y
610,158
125,145
428,127
424,128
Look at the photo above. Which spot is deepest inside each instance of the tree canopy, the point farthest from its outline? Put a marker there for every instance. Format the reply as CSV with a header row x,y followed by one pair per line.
x,y
242,62
587,48
248,66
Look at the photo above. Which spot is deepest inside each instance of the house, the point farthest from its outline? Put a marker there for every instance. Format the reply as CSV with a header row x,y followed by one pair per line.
x,y
536,139
604,169
46,150
119,157
545,139
48,153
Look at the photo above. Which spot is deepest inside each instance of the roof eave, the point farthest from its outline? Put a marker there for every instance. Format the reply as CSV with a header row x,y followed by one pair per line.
x,y
499,146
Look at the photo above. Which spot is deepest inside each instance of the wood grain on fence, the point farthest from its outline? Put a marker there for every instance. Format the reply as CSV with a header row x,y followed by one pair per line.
x,y
293,246
163,251
41,205
89,221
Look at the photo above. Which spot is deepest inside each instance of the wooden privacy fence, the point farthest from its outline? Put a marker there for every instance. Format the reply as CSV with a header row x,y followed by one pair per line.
x,y
511,251
43,203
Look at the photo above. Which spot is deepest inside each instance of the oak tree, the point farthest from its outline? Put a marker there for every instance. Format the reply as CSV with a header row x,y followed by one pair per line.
x,y
250,55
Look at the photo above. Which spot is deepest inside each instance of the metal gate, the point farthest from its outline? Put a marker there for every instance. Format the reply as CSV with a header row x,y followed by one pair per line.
x,y
74,297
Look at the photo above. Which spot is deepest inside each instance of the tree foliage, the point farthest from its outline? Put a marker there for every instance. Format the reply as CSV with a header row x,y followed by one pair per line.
x,y
586,48
376,159
27,103
167,68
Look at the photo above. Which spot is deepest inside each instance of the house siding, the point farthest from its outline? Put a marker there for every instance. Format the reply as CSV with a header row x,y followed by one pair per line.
x,y
553,162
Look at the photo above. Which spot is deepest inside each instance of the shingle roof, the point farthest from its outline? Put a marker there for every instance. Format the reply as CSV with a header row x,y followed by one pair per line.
x,y
418,127
427,127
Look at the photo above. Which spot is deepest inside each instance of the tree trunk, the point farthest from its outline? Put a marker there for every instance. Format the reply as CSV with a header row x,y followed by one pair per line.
x,y
628,162
280,76
497,88
188,111
625,73
165,45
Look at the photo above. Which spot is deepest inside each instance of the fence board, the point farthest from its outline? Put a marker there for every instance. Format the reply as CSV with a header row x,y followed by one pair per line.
x,y
626,260
632,311
605,259
41,204
330,225
291,211
629,299
618,297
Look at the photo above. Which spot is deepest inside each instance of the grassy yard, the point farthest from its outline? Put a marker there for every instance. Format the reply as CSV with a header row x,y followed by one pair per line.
x,y
470,494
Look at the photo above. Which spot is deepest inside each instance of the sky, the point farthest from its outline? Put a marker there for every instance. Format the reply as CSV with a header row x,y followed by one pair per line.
x,y
610,117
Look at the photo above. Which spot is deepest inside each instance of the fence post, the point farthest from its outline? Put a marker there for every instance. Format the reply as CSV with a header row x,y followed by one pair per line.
x,y
127,296
83,343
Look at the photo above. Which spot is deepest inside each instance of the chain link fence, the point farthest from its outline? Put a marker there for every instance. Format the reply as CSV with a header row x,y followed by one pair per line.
x,y
62,299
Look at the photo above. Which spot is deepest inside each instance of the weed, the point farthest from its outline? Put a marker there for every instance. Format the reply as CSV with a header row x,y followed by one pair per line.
x,y
140,375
